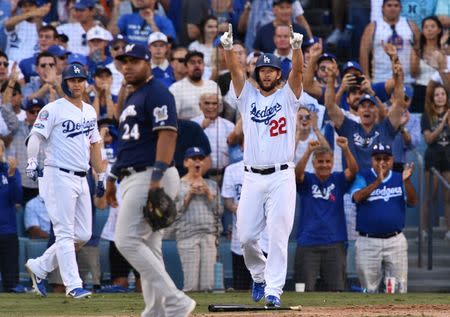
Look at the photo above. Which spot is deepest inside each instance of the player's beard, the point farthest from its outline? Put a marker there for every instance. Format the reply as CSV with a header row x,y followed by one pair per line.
x,y
268,88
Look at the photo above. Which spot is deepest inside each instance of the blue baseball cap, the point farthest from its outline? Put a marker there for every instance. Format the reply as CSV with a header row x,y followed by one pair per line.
x,y
351,64
194,152
22,2
77,58
310,42
367,97
135,50
58,50
380,148
84,4
35,102
118,38
326,56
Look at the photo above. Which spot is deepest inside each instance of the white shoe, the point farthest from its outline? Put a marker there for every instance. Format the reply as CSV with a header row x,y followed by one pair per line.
x,y
182,309
334,37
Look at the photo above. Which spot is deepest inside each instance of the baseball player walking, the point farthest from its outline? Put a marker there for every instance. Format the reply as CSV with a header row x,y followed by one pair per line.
x,y
67,129
268,191
148,132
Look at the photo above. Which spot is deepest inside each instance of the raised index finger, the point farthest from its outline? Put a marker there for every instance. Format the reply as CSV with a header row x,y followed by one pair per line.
x,y
292,30
230,30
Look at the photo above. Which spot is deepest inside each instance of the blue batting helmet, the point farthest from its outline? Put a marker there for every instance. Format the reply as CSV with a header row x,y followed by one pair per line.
x,y
72,71
267,60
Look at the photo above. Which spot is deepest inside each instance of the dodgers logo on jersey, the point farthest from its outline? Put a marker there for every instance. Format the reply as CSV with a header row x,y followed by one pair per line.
x,y
385,193
323,193
265,115
160,114
364,141
237,189
129,111
73,129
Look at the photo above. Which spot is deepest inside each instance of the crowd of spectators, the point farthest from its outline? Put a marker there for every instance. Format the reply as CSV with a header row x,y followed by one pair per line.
x,y
392,93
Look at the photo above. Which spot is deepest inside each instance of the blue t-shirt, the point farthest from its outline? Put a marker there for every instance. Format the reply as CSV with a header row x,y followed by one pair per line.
x,y
361,143
384,210
149,109
5,14
28,67
165,76
322,217
417,10
189,134
136,30
10,195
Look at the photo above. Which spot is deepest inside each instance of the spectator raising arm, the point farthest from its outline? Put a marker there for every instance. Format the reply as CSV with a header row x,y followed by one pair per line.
x,y
398,104
352,165
365,48
300,168
334,112
310,85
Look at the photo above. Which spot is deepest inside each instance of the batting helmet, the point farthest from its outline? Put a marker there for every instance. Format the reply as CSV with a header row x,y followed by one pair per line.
x,y
267,60
72,71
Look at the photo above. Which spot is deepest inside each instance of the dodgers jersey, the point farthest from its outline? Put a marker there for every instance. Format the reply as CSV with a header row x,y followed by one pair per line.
x,y
69,132
150,108
269,125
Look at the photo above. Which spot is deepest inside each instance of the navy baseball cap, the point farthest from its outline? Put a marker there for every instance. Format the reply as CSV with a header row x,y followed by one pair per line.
x,y
367,97
77,58
35,102
277,2
118,38
310,42
380,148
84,4
194,152
102,69
135,50
58,50
326,56
22,2
351,65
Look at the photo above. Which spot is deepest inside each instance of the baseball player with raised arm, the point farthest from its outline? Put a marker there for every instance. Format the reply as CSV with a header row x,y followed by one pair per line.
x,y
67,129
268,191
147,139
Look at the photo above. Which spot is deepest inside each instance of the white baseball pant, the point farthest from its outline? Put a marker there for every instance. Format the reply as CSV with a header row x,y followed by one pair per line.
x,y
68,202
267,200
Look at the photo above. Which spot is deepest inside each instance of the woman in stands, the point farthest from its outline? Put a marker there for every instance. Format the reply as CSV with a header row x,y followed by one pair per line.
x,y
435,126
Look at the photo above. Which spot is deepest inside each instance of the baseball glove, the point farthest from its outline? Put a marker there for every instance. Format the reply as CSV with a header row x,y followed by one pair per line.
x,y
159,211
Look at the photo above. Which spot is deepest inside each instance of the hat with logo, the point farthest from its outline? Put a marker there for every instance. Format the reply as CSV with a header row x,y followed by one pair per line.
x,y
157,37
367,97
381,148
84,4
136,51
194,152
326,57
34,102
351,65
310,42
118,38
58,50
99,33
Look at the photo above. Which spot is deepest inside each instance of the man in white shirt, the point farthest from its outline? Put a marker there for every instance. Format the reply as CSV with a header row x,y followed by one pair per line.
x,y
116,47
188,90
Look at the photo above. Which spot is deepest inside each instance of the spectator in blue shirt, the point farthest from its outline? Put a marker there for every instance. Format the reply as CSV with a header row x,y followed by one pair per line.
x,y
37,222
322,231
161,68
137,27
380,194
10,195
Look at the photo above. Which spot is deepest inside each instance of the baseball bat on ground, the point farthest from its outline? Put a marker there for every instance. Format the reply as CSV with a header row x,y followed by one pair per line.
x,y
234,308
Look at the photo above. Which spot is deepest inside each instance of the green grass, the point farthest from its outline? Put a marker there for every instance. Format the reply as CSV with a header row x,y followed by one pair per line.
x,y
132,304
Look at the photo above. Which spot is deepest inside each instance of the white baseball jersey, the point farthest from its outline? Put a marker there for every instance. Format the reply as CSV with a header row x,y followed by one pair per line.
x,y
269,125
69,133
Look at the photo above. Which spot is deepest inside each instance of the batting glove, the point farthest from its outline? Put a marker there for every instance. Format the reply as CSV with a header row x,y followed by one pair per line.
x,y
100,190
296,39
32,170
227,38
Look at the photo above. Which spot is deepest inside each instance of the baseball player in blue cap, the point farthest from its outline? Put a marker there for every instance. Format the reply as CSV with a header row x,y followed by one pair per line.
x,y
67,129
269,115
147,138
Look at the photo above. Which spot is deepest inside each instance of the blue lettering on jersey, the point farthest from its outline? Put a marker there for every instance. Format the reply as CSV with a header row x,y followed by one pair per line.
x,y
386,193
359,140
237,189
73,129
265,115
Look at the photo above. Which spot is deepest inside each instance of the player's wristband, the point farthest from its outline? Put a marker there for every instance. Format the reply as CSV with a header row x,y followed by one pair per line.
x,y
111,177
158,171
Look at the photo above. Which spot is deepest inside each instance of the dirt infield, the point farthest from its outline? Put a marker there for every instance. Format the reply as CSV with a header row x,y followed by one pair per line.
x,y
350,311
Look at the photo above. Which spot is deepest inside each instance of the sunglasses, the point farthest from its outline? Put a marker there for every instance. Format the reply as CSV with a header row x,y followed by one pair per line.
x,y
4,64
382,158
305,118
44,65
118,47
179,60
